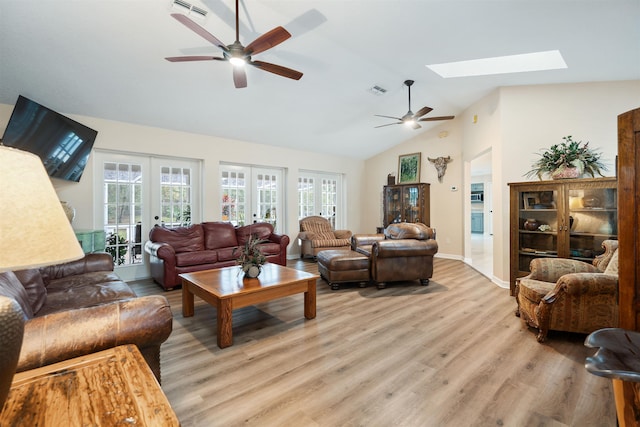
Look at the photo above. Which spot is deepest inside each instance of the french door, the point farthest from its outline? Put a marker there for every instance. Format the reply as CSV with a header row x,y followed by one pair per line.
x,y
252,194
133,193
320,194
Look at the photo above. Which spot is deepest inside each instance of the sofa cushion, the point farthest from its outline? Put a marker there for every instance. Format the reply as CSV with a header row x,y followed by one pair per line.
x,y
85,290
330,243
182,239
11,287
32,281
185,259
534,290
228,254
219,235
261,231
612,267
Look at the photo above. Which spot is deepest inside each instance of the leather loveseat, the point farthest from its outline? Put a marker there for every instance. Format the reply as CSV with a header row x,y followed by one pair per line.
x,y
82,307
208,245
404,252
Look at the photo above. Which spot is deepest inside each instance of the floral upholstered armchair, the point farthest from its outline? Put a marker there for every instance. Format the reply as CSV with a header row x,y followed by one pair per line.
x,y
570,295
316,234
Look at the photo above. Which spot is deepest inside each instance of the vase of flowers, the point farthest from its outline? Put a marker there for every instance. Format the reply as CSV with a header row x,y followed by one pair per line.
x,y
569,159
251,259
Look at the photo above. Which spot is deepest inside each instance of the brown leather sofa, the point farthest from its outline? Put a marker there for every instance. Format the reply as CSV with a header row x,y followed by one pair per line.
x,y
208,245
404,252
82,307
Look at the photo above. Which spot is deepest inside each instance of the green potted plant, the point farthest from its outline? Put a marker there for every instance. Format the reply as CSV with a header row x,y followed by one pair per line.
x,y
251,259
569,159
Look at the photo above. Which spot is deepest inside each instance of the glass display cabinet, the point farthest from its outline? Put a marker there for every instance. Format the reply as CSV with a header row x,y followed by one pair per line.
x,y
562,218
406,203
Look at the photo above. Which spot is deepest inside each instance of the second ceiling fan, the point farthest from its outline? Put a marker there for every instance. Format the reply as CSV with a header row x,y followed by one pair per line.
x,y
410,119
238,54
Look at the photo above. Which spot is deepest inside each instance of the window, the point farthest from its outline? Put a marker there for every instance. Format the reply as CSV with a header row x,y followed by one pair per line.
x,y
176,195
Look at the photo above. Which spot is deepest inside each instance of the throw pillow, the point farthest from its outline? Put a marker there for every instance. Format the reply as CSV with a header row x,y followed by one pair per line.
x,y
32,282
612,268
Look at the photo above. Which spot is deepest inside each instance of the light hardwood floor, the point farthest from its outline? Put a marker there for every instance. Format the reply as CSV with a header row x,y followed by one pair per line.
x,y
448,354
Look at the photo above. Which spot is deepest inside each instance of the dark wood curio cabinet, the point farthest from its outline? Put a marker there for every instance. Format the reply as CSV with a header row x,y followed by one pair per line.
x,y
406,203
567,218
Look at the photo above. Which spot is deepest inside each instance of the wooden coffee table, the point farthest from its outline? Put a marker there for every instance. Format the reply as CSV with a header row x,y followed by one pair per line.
x,y
227,290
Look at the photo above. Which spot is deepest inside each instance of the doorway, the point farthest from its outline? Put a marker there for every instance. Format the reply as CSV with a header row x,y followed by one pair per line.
x,y
482,214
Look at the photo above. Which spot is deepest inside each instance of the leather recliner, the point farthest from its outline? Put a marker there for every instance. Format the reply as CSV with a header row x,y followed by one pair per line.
x,y
404,252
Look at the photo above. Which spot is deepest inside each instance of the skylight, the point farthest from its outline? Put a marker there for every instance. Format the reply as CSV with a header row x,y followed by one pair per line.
x,y
537,61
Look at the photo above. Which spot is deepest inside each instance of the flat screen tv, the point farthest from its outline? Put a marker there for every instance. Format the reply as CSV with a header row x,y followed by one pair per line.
x,y
62,144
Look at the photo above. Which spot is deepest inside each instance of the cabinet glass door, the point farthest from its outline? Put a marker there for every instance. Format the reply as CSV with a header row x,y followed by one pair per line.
x,y
538,226
411,204
592,219
393,200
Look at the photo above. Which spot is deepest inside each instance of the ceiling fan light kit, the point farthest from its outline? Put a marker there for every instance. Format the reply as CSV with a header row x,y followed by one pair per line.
x,y
237,54
410,119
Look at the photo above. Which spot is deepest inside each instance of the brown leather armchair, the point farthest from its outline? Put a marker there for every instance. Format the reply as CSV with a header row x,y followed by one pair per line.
x,y
570,295
404,252
12,321
316,234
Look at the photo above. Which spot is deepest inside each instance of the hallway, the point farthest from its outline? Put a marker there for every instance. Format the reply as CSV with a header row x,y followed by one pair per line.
x,y
482,253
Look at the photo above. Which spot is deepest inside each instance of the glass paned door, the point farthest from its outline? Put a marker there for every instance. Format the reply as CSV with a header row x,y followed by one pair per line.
x,y
133,193
251,195
320,194
122,209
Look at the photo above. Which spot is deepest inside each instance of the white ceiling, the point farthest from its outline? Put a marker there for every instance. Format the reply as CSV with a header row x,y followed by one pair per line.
x,y
105,58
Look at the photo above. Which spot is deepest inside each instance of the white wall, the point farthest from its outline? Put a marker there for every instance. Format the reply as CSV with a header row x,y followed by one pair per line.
x,y
446,205
526,119
124,137
514,123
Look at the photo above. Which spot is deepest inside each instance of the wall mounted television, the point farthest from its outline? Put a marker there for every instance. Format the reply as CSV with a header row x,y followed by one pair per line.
x,y
63,144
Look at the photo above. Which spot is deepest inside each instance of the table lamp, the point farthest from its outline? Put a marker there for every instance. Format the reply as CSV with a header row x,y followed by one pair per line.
x,y
34,230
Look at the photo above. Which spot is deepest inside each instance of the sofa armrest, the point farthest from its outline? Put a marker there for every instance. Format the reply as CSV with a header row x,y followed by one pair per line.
x,y
99,261
365,240
306,235
584,284
143,321
404,248
281,239
551,269
343,234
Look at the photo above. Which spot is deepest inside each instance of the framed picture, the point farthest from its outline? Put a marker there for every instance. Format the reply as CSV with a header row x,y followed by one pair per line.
x,y
409,168
530,200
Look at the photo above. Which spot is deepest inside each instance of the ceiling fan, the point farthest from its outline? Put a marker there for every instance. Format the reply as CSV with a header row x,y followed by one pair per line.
x,y
237,54
411,119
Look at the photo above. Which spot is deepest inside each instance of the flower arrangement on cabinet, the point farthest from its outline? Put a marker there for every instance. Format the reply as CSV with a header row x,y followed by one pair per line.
x,y
569,159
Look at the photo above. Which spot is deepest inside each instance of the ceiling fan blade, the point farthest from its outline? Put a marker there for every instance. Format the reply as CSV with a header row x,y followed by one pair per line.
x,y
199,30
421,112
388,124
267,41
277,69
193,58
239,77
433,119
388,117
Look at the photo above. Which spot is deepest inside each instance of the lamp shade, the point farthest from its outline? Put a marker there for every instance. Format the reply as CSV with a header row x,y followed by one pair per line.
x,y
34,230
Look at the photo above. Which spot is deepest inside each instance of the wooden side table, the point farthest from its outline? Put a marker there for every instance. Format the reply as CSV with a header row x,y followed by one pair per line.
x,y
618,358
108,388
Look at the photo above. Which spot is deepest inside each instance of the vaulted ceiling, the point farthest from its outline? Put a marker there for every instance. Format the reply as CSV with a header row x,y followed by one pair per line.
x,y
105,58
